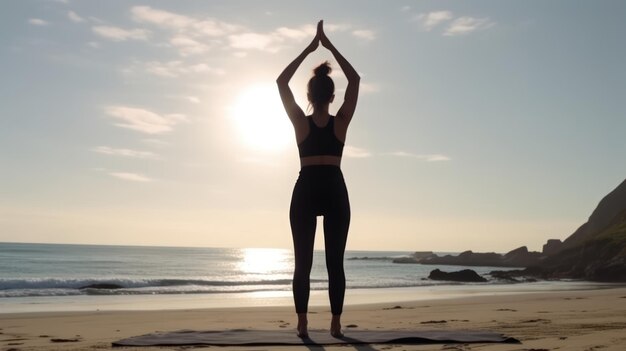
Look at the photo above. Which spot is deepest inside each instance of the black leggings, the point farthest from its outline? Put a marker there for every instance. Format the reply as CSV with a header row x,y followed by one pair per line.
x,y
319,191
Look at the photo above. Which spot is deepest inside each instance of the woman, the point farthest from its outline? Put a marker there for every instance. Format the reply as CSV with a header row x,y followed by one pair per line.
x,y
320,189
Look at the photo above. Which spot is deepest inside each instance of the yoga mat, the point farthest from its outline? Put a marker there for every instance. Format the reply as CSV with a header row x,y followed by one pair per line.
x,y
251,337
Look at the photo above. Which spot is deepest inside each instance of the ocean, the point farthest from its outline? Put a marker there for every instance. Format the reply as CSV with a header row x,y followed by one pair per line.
x,y
62,270
36,276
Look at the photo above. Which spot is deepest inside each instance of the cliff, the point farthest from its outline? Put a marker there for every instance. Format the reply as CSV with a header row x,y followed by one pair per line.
x,y
599,256
596,251
605,215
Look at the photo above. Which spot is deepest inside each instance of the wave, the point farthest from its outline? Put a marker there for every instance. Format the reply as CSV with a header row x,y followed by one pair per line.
x,y
75,283
99,286
374,258
10,288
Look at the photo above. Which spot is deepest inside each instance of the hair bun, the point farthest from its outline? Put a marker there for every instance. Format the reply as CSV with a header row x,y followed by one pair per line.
x,y
323,69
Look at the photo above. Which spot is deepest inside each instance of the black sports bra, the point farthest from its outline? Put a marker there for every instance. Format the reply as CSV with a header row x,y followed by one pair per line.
x,y
321,141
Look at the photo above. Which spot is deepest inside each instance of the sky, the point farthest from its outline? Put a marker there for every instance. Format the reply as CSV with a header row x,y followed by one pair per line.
x,y
481,125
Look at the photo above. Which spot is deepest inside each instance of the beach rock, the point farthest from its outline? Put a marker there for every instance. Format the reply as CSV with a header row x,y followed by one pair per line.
x,y
521,257
552,246
468,258
416,257
366,258
101,286
520,251
513,276
466,275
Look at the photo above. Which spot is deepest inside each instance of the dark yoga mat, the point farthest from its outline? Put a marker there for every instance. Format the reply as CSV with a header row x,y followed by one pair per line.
x,y
251,337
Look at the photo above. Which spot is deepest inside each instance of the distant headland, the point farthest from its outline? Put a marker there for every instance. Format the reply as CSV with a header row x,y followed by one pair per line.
x,y
596,251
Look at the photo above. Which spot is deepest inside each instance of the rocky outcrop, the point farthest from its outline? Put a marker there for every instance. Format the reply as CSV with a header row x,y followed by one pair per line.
x,y
519,257
605,214
552,247
466,275
596,251
599,258
467,258
416,257
515,276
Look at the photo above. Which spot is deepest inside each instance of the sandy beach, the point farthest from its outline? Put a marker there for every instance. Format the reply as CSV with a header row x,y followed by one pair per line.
x,y
573,320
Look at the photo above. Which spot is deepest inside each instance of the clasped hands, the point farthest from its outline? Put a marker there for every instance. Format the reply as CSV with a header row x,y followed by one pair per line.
x,y
320,37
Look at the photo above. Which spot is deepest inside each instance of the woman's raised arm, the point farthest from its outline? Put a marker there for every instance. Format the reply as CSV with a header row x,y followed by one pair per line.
x,y
352,91
294,111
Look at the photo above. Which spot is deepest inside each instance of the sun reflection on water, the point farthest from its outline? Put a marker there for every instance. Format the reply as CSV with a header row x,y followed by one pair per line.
x,y
267,262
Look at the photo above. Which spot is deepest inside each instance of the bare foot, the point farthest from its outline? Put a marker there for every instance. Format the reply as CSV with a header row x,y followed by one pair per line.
x,y
302,328
335,327
303,333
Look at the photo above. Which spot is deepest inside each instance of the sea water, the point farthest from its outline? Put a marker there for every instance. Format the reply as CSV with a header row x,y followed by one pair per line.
x,y
36,276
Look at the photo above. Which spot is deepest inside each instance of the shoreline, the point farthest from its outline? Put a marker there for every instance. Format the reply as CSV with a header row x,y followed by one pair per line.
x,y
567,319
356,296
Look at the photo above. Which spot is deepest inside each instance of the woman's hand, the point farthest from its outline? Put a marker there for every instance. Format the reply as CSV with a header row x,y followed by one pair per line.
x,y
322,36
294,112
346,110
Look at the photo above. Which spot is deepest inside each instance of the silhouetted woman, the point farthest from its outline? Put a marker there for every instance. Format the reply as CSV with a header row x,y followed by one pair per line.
x,y
320,189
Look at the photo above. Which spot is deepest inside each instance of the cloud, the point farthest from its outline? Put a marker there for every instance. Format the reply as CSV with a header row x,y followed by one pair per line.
x,y
187,46
193,99
336,27
191,35
188,98
146,14
301,33
364,34
181,23
247,41
355,152
425,157
156,142
455,26
212,28
465,25
120,34
369,88
126,153
37,22
432,19
143,120
273,41
177,68
134,177
74,17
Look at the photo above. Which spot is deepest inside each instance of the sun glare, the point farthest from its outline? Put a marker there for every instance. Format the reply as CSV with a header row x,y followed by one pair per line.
x,y
263,261
261,120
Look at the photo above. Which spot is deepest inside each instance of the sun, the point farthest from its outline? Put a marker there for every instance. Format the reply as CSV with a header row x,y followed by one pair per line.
x,y
261,120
